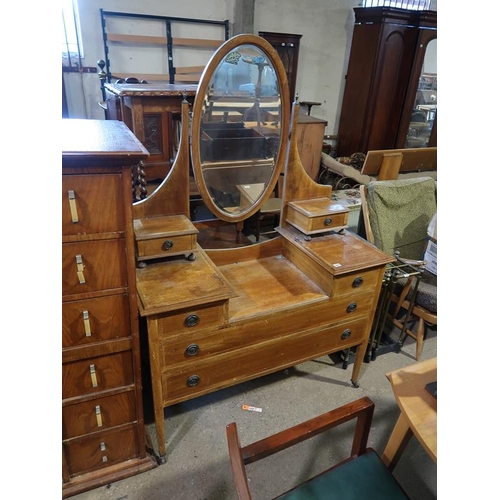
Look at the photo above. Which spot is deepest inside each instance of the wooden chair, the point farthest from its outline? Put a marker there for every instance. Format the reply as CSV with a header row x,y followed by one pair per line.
x,y
395,216
360,476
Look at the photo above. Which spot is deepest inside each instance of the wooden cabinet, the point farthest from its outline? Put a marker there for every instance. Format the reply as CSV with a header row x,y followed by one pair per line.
x,y
310,134
151,112
103,428
385,63
287,46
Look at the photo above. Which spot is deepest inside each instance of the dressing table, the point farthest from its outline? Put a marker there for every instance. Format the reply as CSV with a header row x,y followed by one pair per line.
x,y
219,317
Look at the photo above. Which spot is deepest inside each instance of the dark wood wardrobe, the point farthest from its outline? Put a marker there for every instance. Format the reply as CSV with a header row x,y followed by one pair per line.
x,y
380,109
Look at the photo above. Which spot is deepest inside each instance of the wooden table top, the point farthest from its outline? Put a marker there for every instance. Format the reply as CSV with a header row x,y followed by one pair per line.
x,y
416,403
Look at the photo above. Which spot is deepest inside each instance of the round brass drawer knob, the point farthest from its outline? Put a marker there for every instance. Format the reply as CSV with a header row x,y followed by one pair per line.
x,y
192,349
346,334
193,380
351,307
167,245
192,320
328,221
357,282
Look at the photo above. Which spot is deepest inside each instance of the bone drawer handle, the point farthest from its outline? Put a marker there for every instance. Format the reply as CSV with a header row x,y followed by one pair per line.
x,y
72,206
93,376
79,269
86,324
98,415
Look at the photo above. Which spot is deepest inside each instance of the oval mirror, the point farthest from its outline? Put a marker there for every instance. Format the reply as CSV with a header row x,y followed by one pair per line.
x,y
240,127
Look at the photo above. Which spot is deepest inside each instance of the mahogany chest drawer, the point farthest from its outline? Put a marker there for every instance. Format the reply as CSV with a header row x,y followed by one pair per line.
x,y
105,449
92,204
91,266
191,320
95,320
197,377
92,375
356,282
98,414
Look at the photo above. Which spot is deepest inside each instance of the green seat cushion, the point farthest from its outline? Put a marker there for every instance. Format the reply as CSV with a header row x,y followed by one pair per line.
x,y
365,477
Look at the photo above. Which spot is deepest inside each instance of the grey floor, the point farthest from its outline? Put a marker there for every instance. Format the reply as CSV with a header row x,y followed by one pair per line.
x,y
197,466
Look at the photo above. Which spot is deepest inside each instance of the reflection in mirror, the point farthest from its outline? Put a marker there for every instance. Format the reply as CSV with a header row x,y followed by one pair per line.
x,y
425,106
240,129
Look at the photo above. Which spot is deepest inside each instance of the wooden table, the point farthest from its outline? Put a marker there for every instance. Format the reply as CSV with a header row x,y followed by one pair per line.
x,y
418,411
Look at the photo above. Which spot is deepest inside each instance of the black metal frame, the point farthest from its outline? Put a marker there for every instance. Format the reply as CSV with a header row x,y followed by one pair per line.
x,y
168,22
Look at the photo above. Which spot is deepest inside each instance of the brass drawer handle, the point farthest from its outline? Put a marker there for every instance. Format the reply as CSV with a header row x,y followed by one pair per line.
x,y
346,334
357,282
192,320
86,324
351,307
192,349
328,221
167,245
193,380
80,266
72,206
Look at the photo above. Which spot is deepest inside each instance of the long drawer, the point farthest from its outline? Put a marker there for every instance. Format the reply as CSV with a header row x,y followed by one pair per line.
x,y
92,204
91,375
95,320
102,450
199,376
93,266
195,344
98,414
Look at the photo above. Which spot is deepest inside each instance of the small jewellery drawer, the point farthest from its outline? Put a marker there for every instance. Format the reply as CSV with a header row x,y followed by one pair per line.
x,y
92,204
158,237
94,320
194,378
90,266
191,320
92,375
98,414
317,215
363,282
96,452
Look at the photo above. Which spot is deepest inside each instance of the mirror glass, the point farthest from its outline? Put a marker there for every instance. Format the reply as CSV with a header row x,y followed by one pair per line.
x,y
237,130
425,106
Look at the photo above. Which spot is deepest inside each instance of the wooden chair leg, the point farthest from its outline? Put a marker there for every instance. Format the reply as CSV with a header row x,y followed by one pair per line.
x,y
420,337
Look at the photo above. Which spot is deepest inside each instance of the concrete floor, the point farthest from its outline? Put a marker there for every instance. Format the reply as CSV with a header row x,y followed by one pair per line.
x,y
197,466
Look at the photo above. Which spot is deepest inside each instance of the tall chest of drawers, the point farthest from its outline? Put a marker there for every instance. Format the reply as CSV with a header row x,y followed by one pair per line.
x,y
102,415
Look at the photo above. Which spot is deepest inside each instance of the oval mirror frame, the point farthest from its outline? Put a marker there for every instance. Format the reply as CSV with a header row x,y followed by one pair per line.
x,y
198,111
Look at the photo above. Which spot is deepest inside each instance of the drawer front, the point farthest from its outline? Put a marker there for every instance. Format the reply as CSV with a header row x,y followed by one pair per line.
x,y
94,320
195,345
97,452
99,414
204,375
91,266
191,320
97,374
328,222
165,246
356,282
92,204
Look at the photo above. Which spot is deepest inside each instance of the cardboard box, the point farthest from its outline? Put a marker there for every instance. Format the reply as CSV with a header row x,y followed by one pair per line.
x,y
430,257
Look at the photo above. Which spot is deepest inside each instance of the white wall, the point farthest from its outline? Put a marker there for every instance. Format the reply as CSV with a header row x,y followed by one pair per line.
x,y
326,27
